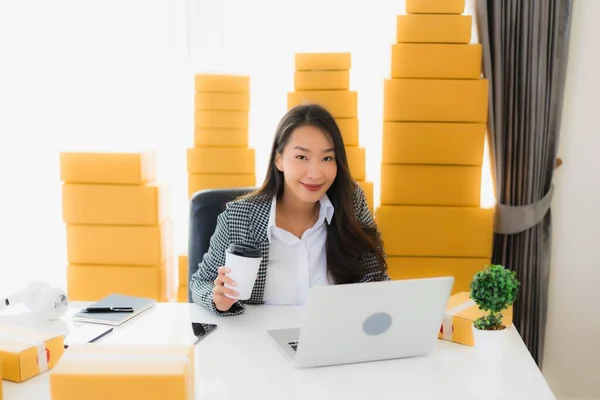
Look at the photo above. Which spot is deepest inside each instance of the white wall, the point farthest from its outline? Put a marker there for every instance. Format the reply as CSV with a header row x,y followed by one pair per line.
x,y
572,353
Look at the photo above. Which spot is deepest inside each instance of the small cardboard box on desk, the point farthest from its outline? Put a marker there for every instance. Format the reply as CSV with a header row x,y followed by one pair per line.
x,y
25,352
460,314
124,372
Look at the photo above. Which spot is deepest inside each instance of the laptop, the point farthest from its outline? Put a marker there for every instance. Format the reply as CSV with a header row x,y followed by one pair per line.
x,y
363,322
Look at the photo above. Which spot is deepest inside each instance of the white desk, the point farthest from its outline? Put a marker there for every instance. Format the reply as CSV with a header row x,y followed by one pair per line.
x,y
239,361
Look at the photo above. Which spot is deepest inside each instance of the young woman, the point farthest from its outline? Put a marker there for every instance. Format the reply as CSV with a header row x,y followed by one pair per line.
x,y
309,220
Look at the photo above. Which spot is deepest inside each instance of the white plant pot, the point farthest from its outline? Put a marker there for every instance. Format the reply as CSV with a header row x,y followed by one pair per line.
x,y
490,345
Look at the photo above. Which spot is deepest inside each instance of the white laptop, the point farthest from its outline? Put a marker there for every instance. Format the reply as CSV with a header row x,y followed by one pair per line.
x,y
371,321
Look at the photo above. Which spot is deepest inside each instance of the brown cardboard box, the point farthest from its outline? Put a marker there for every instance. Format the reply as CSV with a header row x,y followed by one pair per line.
x,y
108,167
25,353
460,314
124,372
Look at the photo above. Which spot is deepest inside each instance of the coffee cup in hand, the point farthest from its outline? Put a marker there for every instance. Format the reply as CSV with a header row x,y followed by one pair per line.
x,y
243,261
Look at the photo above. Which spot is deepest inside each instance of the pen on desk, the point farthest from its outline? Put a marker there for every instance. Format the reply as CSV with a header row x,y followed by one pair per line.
x,y
107,309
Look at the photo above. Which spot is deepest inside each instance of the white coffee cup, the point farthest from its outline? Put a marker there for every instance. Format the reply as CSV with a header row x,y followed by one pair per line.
x,y
244,261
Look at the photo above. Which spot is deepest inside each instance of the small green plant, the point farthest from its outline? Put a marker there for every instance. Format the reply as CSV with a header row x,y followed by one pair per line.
x,y
493,289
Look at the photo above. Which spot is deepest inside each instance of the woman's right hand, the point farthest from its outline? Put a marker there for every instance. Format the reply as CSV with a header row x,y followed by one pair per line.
x,y
222,302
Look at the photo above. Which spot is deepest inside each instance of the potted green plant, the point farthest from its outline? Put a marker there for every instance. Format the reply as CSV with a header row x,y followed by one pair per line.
x,y
493,289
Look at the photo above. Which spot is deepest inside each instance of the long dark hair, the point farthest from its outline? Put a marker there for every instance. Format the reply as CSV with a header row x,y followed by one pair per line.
x,y
347,240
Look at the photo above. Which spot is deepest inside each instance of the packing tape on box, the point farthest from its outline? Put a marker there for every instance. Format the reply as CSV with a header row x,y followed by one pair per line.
x,y
41,348
449,314
112,357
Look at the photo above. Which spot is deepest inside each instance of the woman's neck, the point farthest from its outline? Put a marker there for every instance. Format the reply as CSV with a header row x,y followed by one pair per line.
x,y
291,205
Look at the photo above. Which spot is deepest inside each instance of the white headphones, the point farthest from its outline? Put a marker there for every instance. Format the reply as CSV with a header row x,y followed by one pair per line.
x,y
44,301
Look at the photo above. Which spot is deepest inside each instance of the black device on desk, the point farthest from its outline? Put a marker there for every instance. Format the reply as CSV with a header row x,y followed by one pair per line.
x,y
201,330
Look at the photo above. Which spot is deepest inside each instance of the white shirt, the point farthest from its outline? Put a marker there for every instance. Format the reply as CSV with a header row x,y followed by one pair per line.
x,y
296,264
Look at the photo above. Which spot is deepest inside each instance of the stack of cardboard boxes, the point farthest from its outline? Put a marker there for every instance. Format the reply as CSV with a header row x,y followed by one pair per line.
x,y
119,236
221,157
324,79
435,110
183,289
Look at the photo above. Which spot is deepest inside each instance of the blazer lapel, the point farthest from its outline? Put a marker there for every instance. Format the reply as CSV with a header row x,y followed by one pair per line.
x,y
261,241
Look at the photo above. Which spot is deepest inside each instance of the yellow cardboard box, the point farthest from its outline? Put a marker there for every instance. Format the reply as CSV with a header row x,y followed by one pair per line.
x,y
461,312
220,160
119,244
356,162
197,182
1,382
182,263
94,282
221,119
182,294
221,137
436,231
113,204
433,28
349,129
435,6
435,100
108,167
437,61
323,61
25,352
433,143
221,83
340,103
222,101
461,268
322,80
443,185
124,372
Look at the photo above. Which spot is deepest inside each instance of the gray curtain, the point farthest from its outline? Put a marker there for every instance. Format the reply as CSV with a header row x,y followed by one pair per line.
x,y
525,49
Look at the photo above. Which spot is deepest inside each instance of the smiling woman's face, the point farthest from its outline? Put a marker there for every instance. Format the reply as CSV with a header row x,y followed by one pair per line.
x,y
308,164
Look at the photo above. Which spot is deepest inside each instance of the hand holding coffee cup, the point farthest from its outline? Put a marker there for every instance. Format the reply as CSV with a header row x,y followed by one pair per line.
x,y
222,302
243,262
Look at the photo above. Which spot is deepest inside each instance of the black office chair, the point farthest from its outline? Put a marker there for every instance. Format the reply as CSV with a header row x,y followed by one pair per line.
x,y
205,207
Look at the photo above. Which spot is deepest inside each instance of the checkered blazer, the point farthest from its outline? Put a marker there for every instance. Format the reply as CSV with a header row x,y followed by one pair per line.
x,y
245,221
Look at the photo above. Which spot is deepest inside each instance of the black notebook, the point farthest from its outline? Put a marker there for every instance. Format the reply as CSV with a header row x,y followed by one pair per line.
x,y
139,305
